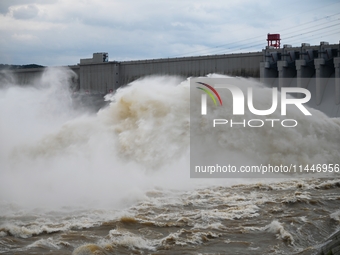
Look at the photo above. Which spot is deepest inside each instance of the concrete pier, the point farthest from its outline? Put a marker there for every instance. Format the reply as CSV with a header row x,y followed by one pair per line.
x,y
286,67
337,79
324,68
268,68
305,68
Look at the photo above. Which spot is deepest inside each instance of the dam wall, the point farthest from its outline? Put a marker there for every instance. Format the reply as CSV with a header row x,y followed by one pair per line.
x,y
316,68
245,64
100,76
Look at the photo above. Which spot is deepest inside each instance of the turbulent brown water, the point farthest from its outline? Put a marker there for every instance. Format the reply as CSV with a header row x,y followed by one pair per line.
x,y
117,182
290,217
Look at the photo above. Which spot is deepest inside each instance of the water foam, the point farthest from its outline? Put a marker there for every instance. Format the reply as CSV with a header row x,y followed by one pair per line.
x,y
53,155
63,157
281,233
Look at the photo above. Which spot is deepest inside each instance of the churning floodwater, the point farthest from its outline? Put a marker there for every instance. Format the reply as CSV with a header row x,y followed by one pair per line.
x,y
117,181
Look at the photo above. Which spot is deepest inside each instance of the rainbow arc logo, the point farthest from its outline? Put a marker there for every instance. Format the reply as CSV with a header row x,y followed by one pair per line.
x,y
209,92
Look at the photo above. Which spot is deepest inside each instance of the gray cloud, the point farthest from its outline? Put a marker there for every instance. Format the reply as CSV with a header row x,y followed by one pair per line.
x,y
65,31
5,4
25,12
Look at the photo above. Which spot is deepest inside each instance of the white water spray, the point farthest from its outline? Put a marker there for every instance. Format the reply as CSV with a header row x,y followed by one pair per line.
x,y
52,155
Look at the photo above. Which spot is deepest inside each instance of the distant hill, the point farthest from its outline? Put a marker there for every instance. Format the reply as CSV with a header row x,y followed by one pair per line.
x,y
5,66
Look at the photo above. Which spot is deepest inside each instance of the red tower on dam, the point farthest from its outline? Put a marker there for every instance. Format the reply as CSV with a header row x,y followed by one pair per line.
x,y
274,40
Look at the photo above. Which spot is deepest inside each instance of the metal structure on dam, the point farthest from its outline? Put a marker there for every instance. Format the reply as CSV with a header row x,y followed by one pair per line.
x,y
316,68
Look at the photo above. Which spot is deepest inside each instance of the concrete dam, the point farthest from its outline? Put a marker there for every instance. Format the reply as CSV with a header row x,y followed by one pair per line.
x,y
99,75
316,68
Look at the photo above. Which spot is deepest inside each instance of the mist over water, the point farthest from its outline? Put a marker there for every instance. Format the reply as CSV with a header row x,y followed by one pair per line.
x,y
56,156
52,154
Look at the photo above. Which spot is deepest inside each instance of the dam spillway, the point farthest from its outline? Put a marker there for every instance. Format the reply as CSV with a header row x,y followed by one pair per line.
x,y
315,68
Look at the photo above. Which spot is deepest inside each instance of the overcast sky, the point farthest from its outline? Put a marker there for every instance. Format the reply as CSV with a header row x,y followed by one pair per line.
x,y
60,32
